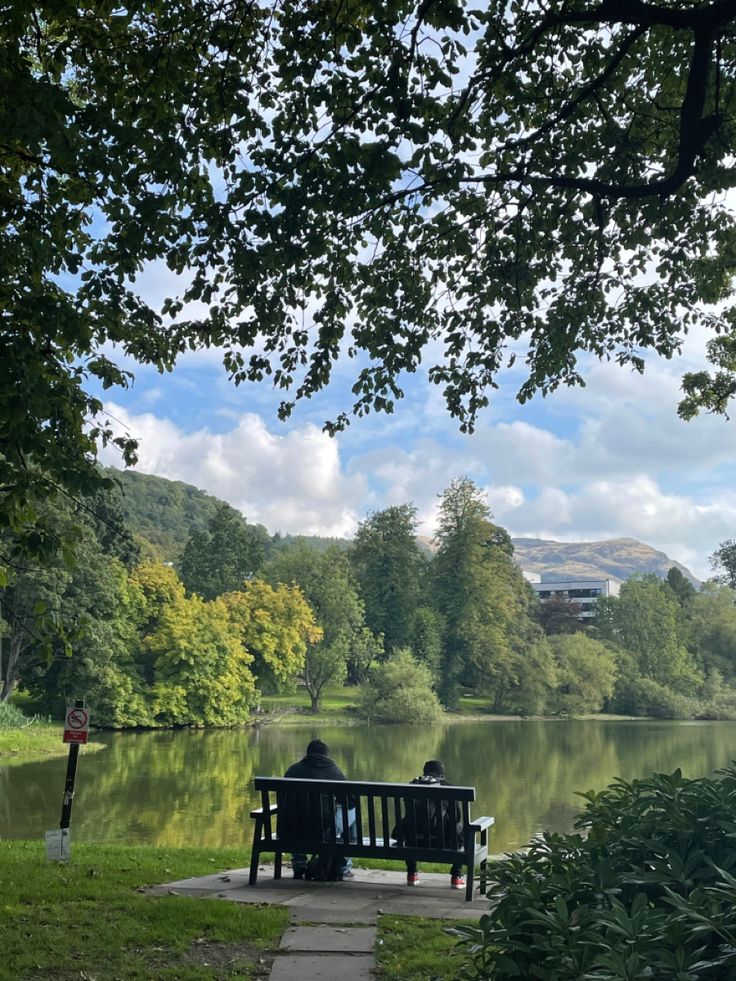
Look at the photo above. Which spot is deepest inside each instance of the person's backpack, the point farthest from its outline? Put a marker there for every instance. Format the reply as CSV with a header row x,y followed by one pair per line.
x,y
421,824
324,868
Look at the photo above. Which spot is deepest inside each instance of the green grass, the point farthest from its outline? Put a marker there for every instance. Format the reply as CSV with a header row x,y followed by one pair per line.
x,y
413,949
91,918
293,708
36,742
338,704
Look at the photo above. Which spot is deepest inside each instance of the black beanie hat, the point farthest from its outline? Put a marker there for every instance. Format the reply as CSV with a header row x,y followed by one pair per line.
x,y
317,748
434,768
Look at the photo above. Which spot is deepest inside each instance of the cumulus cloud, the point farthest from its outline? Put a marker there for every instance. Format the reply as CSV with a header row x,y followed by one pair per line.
x,y
292,483
610,460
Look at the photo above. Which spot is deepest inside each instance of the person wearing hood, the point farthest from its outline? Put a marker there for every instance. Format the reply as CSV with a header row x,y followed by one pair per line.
x,y
417,831
293,822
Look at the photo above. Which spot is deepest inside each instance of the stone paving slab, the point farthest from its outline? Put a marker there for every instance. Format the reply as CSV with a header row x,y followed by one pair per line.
x,y
329,940
318,916
371,892
333,967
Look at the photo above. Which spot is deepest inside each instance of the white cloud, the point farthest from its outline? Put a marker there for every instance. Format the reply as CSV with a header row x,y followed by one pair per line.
x,y
610,460
292,483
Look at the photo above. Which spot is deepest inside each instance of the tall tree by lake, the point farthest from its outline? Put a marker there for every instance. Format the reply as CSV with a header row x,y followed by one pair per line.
x,y
480,594
325,578
388,565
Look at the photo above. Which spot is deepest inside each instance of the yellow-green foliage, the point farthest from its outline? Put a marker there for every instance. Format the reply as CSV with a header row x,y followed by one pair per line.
x,y
276,625
193,655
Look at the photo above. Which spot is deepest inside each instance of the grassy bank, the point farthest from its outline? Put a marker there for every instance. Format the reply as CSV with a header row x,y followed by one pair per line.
x,y
36,742
90,919
412,949
294,708
338,708
25,736
93,919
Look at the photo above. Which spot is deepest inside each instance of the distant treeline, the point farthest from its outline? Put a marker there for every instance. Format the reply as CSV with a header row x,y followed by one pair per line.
x,y
197,639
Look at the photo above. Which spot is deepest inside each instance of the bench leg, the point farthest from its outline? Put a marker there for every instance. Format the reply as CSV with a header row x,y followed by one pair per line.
x,y
255,854
277,865
254,865
469,883
484,863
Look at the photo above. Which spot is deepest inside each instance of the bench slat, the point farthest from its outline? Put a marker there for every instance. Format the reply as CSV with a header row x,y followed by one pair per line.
x,y
358,819
372,818
384,819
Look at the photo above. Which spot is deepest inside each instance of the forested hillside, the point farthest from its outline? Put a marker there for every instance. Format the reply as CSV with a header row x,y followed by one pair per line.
x,y
164,512
167,512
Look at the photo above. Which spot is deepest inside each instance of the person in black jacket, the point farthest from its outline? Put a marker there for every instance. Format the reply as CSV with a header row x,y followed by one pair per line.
x,y
293,821
433,772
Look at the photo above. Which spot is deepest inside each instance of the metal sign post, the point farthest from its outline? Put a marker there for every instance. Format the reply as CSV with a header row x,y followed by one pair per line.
x,y
76,730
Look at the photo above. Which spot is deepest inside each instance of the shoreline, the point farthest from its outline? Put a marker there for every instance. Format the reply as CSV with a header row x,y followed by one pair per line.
x,y
302,719
35,744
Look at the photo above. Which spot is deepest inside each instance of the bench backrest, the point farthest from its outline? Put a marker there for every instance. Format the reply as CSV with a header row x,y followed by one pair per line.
x,y
381,810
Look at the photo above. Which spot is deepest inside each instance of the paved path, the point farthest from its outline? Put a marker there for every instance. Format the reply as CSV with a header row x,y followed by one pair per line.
x,y
333,930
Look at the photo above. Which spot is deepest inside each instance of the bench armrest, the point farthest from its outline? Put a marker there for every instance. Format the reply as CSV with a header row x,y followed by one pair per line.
x,y
258,811
481,823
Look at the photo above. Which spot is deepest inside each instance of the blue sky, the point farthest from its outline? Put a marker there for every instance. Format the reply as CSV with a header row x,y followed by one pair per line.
x,y
609,460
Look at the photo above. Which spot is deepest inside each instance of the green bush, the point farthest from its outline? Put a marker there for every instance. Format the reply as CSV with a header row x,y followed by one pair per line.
x,y
644,696
645,891
399,690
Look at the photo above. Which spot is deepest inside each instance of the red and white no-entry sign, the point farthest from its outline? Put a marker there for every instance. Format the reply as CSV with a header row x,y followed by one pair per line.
x,y
76,725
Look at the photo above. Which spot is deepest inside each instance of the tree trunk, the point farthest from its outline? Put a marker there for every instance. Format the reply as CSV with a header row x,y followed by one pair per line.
x,y
12,648
315,702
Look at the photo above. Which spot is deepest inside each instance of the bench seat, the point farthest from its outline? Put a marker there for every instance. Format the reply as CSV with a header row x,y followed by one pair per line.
x,y
379,810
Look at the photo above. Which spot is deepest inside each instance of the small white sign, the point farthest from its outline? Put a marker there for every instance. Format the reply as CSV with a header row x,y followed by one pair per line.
x,y
58,845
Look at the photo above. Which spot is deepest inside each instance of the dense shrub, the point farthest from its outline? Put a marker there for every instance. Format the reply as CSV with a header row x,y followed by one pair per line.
x,y
399,690
644,696
645,890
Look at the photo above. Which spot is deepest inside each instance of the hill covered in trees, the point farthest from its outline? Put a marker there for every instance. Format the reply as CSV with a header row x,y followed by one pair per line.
x,y
167,513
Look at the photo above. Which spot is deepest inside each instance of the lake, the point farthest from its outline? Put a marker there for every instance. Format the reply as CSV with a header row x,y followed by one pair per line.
x,y
195,787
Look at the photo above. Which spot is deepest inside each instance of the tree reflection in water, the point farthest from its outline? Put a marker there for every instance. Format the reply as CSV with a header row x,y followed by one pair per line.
x,y
196,787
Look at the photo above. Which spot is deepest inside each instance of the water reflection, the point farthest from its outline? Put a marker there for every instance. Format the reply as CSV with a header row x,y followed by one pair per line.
x,y
179,788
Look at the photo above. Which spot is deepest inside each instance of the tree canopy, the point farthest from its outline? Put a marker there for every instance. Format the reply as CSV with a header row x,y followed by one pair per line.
x,y
388,564
421,182
224,555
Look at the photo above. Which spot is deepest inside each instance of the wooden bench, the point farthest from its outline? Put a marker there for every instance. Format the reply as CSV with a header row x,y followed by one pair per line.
x,y
379,809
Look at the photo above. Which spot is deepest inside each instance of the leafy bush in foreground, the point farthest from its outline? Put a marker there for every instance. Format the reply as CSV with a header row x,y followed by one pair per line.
x,y
646,891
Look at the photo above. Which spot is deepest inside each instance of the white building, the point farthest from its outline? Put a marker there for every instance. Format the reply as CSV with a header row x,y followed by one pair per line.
x,y
585,592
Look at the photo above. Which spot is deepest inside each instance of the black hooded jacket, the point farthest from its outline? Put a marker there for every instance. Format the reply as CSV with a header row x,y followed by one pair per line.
x,y
422,821
294,819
